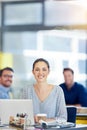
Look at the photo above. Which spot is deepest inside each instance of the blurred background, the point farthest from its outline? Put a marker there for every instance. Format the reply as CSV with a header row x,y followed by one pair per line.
x,y
53,29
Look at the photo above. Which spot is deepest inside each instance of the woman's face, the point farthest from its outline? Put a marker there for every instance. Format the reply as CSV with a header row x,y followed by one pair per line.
x,y
41,71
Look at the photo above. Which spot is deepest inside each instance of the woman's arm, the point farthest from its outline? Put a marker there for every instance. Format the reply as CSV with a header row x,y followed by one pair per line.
x,y
61,106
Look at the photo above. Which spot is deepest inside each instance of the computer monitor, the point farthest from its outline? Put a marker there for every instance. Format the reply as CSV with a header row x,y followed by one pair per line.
x,y
14,106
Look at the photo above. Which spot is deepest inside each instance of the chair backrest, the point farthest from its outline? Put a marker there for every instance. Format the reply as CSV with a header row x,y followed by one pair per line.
x,y
71,114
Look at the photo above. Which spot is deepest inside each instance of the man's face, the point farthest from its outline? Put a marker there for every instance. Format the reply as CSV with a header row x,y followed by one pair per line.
x,y
6,78
69,78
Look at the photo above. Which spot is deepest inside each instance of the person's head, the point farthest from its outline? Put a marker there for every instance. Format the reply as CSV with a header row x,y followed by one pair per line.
x,y
68,77
41,69
6,76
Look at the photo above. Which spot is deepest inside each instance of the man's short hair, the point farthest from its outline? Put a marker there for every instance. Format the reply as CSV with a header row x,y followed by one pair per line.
x,y
68,69
6,68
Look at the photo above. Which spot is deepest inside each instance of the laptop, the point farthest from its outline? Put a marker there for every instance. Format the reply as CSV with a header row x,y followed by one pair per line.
x,y
13,107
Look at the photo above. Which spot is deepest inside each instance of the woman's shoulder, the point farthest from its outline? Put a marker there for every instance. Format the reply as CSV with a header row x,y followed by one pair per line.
x,y
57,88
27,91
57,91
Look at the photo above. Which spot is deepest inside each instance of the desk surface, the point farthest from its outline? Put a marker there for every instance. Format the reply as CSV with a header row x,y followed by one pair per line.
x,y
84,128
78,127
81,114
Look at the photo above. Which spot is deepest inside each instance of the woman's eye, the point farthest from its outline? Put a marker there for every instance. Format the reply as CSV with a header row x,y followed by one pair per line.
x,y
44,69
36,69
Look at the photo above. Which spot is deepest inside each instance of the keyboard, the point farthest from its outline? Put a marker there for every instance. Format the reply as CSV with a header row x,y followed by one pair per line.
x,y
54,124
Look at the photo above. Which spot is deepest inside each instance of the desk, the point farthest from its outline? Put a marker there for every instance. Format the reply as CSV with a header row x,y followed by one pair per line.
x,y
84,128
78,127
81,119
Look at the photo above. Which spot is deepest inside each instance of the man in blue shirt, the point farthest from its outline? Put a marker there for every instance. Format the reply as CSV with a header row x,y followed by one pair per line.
x,y
6,79
75,93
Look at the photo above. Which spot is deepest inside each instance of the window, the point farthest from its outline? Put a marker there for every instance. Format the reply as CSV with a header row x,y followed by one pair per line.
x,y
19,14
33,29
82,65
56,43
82,45
67,13
17,42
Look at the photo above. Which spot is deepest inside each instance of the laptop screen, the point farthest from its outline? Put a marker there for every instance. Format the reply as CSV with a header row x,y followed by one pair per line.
x,y
16,106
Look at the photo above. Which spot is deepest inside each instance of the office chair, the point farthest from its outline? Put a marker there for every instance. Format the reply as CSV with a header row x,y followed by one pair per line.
x,y
71,114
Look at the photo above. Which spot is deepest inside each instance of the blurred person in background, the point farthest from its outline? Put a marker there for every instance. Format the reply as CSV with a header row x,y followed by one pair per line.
x,y
75,93
6,79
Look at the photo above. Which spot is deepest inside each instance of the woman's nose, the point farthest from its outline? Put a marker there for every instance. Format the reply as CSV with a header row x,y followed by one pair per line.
x,y
40,71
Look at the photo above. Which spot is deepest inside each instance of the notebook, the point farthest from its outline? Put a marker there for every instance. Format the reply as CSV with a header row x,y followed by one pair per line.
x,y
13,107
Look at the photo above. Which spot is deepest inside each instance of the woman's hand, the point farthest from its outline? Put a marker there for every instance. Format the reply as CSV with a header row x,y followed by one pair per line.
x,y
47,119
35,119
50,119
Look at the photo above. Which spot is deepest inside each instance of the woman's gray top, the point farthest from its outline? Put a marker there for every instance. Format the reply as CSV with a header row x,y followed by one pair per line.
x,y
54,105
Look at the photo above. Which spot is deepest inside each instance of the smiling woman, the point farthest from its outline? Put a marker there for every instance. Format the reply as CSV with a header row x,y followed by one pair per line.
x,y
43,93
